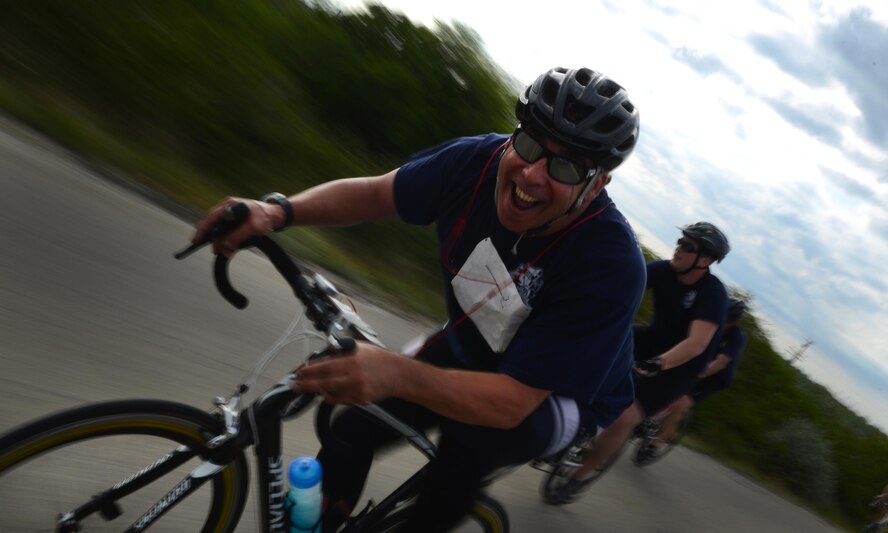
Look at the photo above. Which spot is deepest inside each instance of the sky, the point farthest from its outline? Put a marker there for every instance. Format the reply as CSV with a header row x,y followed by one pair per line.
x,y
766,118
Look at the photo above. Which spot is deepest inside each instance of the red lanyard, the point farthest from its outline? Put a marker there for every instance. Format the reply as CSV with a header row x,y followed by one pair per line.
x,y
460,224
458,229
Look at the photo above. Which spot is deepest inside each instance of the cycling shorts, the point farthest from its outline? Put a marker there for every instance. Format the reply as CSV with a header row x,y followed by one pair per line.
x,y
705,387
655,393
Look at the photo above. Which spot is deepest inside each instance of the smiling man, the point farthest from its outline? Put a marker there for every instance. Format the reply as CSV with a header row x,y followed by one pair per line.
x,y
544,276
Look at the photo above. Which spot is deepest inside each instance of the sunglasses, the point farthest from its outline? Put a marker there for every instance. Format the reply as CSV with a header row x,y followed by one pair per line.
x,y
560,168
687,246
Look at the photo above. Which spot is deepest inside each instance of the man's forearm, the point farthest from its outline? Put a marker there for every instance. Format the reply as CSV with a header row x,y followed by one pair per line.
x,y
345,202
680,354
482,398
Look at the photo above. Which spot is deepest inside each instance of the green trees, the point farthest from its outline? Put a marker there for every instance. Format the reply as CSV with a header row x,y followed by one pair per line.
x,y
207,99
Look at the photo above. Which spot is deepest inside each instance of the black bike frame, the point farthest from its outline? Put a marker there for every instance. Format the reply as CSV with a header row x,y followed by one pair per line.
x,y
260,423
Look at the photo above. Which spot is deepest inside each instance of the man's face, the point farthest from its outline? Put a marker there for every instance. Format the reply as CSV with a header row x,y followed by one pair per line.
x,y
527,197
686,251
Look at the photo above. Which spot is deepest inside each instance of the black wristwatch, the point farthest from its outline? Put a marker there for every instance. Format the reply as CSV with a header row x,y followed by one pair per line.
x,y
281,200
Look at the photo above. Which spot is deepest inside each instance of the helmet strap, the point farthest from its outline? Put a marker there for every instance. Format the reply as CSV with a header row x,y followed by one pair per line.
x,y
590,182
693,266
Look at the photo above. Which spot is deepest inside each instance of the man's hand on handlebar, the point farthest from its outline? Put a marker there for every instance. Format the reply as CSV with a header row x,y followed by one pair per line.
x,y
366,375
261,219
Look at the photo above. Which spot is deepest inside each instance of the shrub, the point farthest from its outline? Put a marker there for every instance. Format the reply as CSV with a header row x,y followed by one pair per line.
x,y
805,460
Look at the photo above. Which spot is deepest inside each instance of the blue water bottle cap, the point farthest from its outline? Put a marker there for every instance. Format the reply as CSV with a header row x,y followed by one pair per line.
x,y
304,472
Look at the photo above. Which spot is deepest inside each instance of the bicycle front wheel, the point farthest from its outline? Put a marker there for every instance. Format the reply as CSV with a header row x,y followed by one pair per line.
x,y
138,454
648,453
487,516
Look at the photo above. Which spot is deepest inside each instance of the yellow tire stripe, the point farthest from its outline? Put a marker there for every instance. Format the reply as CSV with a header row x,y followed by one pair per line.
x,y
489,516
77,433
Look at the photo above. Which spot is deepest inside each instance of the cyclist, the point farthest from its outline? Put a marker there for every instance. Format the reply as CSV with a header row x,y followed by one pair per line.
x,y
544,276
717,375
880,520
689,310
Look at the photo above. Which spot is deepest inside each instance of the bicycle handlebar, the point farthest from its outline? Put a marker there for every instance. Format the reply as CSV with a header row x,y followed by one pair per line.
x,y
319,307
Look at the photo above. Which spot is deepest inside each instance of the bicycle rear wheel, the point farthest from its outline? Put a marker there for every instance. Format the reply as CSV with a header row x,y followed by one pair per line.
x,y
487,516
59,463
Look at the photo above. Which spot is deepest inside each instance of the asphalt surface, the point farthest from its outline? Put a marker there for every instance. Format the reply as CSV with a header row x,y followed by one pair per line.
x,y
94,307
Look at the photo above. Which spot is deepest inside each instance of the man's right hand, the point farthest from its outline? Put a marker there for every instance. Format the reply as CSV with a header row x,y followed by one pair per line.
x,y
262,218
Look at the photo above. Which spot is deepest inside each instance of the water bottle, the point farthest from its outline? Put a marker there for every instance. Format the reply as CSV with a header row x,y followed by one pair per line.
x,y
304,496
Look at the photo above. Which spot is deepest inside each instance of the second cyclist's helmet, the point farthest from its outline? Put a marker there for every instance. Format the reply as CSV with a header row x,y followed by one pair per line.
x,y
583,110
736,309
711,240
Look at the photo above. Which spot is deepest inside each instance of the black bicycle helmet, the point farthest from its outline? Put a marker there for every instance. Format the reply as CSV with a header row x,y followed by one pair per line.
x,y
736,309
583,110
711,240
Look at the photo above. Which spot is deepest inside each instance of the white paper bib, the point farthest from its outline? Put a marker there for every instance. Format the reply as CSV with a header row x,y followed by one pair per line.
x,y
486,292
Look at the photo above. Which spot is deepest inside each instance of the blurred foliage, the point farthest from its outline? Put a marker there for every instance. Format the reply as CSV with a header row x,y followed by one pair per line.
x,y
804,458
206,99
199,100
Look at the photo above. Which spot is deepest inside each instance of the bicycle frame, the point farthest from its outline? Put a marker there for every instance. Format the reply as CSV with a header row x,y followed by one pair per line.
x,y
259,424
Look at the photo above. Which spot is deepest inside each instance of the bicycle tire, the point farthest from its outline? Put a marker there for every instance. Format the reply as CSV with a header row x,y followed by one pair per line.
x,y
487,513
642,457
559,476
102,439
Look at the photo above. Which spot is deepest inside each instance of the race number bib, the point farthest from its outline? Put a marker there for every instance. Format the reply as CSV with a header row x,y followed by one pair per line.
x,y
486,292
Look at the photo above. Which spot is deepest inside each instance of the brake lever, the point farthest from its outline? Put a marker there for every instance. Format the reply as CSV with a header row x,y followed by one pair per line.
x,y
338,345
233,216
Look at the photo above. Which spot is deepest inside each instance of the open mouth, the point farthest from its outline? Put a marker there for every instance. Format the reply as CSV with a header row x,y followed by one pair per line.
x,y
522,199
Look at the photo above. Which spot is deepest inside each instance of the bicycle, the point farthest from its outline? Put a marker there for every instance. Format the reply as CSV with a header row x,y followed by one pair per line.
x,y
144,458
560,470
880,525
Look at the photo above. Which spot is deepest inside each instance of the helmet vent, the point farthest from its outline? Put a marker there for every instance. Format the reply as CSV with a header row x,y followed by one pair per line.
x,y
608,89
575,111
627,105
549,91
627,144
584,76
608,124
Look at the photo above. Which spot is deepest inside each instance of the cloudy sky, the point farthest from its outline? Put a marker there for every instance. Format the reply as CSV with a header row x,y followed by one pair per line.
x,y
767,118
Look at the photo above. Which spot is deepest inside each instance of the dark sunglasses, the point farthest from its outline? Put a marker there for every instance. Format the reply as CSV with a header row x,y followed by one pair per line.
x,y
687,246
560,168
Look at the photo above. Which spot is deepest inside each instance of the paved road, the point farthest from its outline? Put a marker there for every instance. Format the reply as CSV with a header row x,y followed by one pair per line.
x,y
93,307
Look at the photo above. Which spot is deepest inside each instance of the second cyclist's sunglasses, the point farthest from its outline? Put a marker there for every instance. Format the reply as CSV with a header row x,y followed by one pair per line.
x,y
560,168
687,246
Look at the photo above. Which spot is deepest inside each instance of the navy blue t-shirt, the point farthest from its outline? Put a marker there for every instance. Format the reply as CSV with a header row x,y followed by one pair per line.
x,y
676,305
733,341
584,292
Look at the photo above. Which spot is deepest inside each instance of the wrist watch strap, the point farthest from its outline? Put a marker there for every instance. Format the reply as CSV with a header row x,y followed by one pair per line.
x,y
281,200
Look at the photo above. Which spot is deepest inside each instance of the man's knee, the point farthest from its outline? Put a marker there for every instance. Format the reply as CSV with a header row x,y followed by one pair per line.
x,y
632,416
628,419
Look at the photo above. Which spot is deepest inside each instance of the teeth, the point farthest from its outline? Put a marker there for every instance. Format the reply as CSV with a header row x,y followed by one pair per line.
x,y
523,196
